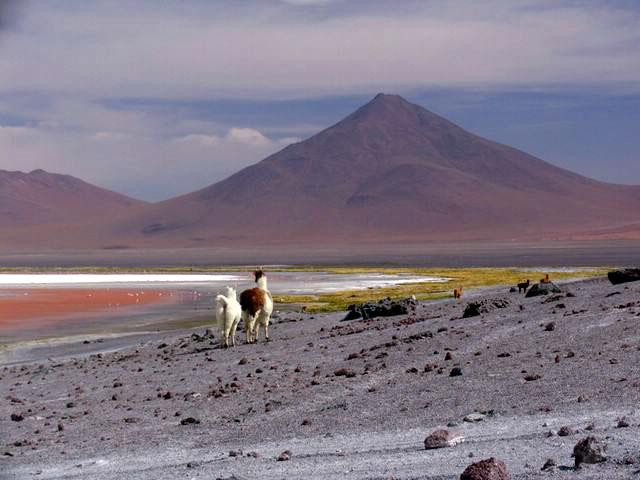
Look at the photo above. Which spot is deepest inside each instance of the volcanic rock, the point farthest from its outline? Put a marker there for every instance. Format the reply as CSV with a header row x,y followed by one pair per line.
x,y
626,275
589,450
489,469
442,439
539,289
484,306
382,308
284,456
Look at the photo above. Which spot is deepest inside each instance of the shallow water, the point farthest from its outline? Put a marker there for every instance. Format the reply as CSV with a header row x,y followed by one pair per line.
x,y
279,282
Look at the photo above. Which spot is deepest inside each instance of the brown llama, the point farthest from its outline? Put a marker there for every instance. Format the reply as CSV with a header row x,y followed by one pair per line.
x,y
522,287
545,279
457,293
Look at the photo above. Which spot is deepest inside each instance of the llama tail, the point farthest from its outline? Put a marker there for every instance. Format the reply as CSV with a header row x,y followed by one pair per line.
x,y
222,300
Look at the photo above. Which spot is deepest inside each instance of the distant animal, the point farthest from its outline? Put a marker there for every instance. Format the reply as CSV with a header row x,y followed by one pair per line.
x,y
257,307
545,279
522,287
457,293
228,313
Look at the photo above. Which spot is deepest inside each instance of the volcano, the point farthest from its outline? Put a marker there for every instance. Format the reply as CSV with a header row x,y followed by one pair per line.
x,y
390,172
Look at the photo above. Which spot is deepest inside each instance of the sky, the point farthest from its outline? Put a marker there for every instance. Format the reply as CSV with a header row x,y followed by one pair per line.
x,y
157,98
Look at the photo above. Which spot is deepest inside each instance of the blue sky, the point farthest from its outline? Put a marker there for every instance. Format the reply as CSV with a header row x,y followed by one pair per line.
x,y
155,99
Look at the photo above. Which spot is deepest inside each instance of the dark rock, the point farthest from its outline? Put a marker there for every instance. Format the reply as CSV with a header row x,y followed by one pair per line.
x,y
455,372
549,464
448,356
622,423
16,417
565,431
550,327
132,420
532,377
625,275
189,421
474,309
284,456
306,422
383,308
589,450
243,361
442,439
344,372
539,289
490,469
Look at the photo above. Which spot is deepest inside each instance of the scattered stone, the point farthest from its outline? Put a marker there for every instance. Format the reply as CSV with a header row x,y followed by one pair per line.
x,y
243,361
532,377
442,439
306,422
132,420
489,469
16,417
543,289
550,327
473,309
189,421
474,417
565,431
622,422
455,372
70,405
625,275
549,464
589,450
383,308
284,456
448,356
344,372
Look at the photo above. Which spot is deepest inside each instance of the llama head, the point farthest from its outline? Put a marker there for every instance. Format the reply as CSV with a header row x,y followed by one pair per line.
x,y
258,274
230,292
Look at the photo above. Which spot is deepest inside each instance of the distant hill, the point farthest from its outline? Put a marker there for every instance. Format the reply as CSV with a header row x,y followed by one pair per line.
x,y
391,171
42,198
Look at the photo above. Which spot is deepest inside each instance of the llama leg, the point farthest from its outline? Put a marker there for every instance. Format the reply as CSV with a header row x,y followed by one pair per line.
x,y
266,331
256,330
233,333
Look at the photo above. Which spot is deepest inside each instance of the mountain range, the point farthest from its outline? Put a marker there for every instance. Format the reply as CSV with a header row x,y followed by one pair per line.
x,y
390,172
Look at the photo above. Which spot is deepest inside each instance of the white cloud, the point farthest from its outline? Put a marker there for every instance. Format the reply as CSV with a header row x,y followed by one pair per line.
x,y
139,162
199,140
247,136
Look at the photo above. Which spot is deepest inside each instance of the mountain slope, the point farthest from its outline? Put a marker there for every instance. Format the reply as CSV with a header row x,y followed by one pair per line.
x,y
41,198
391,171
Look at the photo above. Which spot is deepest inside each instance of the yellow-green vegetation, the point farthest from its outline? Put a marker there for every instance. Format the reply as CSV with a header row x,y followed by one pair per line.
x,y
467,278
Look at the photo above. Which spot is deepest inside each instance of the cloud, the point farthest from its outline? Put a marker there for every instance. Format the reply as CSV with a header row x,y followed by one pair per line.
x,y
114,49
152,157
247,136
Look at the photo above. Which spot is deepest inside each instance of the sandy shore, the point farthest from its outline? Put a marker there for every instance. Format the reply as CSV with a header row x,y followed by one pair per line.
x,y
350,400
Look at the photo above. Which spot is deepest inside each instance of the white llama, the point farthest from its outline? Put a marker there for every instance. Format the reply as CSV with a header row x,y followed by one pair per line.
x,y
228,313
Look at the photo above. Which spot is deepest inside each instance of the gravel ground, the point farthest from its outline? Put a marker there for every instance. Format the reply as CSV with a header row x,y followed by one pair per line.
x,y
349,400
